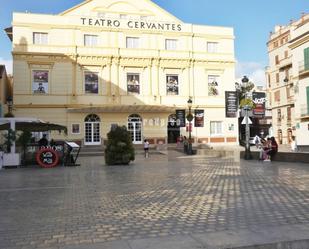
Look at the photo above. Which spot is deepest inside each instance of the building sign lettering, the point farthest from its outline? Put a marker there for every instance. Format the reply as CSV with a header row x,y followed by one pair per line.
x,y
100,22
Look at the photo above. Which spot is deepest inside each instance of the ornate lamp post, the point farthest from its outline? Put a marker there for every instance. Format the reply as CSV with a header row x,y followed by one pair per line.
x,y
190,118
9,102
246,108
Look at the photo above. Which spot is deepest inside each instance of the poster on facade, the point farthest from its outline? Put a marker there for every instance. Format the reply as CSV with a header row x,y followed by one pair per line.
x,y
181,117
172,84
91,83
198,118
231,104
259,99
213,86
40,81
133,83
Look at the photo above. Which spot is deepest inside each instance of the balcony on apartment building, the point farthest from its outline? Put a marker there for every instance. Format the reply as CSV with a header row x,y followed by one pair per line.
x,y
304,111
285,63
303,68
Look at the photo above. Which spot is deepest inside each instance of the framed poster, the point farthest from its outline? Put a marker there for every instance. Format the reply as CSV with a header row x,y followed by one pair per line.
x,y
172,84
75,129
199,118
181,118
231,104
91,83
40,81
133,83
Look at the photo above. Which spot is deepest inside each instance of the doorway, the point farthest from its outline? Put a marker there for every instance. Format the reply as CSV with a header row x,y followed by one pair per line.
x,y
135,128
92,130
173,129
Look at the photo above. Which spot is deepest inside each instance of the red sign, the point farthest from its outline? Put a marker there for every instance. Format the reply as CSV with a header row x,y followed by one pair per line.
x,y
47,158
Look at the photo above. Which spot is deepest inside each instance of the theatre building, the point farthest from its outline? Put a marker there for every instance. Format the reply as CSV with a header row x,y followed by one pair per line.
x,y
131,63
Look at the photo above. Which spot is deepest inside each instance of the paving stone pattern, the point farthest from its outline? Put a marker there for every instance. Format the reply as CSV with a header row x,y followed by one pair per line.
x,y
160,196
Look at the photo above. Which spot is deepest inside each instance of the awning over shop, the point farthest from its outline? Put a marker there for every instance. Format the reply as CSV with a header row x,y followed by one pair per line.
x,y
125,109
30,124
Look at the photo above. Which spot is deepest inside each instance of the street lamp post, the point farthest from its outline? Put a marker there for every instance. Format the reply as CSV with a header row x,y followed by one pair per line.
x,y
190,118
9,102
246,108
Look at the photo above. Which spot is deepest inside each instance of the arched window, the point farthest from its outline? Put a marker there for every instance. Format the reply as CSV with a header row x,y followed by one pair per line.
x,y
92,118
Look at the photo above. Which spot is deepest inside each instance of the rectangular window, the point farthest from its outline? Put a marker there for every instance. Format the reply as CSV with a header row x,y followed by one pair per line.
x,y
91,83
90,40
288,92
289,113
40,81
277,78
277,59
172,86
132,42
286,54
40,38
133,83
279,115
216,128
170,44
275,44
212,47
277,96
75,129
213,85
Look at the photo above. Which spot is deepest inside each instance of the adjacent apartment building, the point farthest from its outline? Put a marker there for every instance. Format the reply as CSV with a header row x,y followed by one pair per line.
x,y
286,50
5,90
131,63
299,45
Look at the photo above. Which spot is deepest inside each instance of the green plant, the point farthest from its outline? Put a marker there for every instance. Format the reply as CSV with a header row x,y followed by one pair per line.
x,y
23,140
10,138
9,115
119,148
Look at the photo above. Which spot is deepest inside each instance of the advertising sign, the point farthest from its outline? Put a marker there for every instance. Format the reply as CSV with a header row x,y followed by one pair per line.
x,y
181,118
199,118
231,104
259,99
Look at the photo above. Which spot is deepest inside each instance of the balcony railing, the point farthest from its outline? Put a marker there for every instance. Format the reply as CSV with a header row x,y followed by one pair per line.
x,y
304,111
303,67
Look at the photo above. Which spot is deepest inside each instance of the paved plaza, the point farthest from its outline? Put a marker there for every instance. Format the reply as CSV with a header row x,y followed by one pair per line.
x,y
169,201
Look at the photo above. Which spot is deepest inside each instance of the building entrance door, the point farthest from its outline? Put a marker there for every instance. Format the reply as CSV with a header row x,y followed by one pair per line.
x,y
135,128
92,130
173,129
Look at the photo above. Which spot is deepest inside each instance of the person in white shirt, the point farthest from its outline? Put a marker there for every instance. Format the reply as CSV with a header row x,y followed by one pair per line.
x,y
146,148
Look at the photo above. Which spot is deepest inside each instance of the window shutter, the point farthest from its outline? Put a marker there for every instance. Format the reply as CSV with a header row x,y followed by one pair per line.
x,y
306,58
307,99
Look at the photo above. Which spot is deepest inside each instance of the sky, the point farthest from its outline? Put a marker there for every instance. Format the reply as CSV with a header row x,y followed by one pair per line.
x,y
252,21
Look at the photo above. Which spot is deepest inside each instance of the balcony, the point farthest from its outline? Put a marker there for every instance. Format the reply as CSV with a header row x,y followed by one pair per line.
x,y
303,69
304,111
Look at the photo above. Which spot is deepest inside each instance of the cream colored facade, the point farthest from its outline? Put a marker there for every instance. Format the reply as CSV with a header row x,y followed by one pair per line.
x,y
5,90
299,44
280,84
122,62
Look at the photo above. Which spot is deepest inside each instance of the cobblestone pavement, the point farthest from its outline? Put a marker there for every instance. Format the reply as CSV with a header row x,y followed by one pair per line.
x,y
160,196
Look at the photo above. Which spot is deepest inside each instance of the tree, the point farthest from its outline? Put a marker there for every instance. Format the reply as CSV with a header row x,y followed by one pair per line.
x,y
24,140
119,148
9,137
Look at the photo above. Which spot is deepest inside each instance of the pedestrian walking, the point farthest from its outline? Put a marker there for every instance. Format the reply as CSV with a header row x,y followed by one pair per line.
x,y
146,148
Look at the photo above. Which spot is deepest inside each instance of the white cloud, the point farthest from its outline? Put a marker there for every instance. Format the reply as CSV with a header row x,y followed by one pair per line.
x,y
8,65
255,71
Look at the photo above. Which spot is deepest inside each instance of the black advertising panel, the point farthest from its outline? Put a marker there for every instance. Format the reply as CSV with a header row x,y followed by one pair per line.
x,y
199,118
231,104
259,99
181,118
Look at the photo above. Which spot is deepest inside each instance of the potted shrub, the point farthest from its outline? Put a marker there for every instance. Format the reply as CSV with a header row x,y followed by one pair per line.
x,y
119,149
